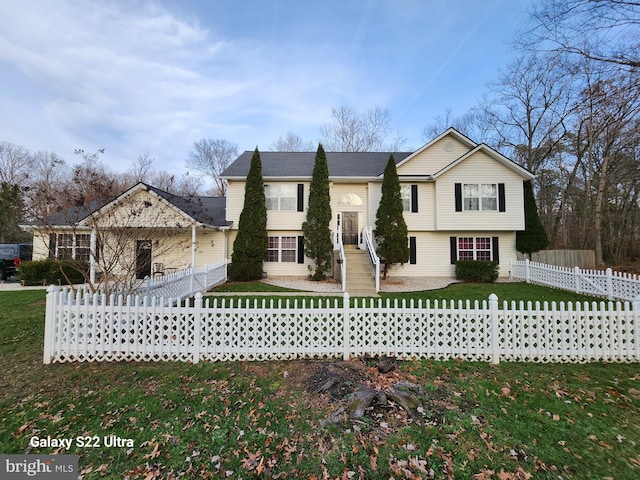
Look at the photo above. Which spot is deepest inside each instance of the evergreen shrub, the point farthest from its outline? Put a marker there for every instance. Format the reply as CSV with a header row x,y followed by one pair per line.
x,y
477,271
53,272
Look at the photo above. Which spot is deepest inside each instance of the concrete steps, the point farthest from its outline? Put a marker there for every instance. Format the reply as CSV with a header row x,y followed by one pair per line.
x,y
360,281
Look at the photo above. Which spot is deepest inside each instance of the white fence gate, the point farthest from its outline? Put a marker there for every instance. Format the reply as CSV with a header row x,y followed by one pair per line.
x,y
600,283
97,328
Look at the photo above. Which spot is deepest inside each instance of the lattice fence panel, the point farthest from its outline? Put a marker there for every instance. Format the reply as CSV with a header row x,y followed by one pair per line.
x,y
95,328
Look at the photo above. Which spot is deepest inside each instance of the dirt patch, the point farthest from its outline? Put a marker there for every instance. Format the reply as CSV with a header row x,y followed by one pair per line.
x,y
338,380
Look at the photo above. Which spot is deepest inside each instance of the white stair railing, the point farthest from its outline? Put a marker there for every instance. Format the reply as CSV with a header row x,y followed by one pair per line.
x,y
373,256
342,259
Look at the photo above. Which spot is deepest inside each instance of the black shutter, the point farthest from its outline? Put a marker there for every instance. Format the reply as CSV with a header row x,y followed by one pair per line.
x,y
496,249
52,245
414,198
458,197
501,203
301,197
454,249
300,249
412,250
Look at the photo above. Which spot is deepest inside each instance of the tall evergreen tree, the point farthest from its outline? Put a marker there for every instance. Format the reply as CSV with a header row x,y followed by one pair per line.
x,y
12,210
534,237
250,246
317,236
391,229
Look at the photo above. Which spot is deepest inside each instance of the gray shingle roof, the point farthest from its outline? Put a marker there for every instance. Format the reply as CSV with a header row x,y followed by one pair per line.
x,y
205,210
300,164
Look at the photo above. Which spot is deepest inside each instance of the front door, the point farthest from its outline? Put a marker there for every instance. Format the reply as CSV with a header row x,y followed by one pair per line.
x,y
350,228
143,258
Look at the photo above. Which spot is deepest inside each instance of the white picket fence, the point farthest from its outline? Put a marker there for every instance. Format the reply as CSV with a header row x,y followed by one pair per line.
x,y
600,283
97,328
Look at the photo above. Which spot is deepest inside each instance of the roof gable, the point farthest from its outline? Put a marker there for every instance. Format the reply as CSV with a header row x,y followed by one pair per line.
x,y
453,142
523,172
209,211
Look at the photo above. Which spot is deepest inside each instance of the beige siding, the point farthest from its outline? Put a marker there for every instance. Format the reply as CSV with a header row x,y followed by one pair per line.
x,y
235,201
435,157
279,268
142,210
433,254
290,220
40,246
210,247
480,168
422,220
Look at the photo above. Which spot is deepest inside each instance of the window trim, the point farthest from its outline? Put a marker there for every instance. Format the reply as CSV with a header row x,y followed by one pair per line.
x,y
74,246
279,249
278,188
481,197
494,248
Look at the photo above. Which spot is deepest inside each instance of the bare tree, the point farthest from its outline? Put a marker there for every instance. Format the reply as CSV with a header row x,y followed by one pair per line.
x,y
15,164
604,31
352,131
529,109
291,143
46,184
473,124
609,119
141,169
210,157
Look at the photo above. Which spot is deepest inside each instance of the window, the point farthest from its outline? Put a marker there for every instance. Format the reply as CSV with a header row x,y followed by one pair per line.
x,y
405,193
282,249
409,195
282,197
474,248
480,196
75,246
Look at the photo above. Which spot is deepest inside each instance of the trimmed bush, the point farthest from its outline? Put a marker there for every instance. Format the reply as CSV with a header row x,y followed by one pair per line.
x,y
478,271
52,272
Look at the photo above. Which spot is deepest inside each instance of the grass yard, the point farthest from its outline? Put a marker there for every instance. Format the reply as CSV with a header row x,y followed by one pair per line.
x,y
261,420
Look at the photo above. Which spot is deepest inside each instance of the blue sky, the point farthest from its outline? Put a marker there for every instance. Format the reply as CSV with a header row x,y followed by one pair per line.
x,y
155,76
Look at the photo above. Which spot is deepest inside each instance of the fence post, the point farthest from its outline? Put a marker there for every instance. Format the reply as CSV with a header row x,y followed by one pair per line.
x,y
636,320
526,269
609,284
346,332
576,272
53,295
495,329
197,322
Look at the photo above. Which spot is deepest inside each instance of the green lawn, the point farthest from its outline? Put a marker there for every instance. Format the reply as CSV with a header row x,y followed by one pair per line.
x,y
510,292
258,420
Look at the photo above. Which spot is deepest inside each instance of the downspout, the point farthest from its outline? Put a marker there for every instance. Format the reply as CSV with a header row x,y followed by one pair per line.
x,y
92,257
225,253
193,246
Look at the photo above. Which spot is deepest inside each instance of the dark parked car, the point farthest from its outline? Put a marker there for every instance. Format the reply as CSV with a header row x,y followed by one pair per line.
x,y
11,254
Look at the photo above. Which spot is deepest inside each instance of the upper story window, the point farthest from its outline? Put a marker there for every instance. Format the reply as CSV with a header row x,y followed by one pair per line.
x,y
480,196
281,196
409,195
405,193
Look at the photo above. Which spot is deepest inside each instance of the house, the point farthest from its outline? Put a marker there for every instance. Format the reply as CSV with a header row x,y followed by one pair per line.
x,y
461,200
